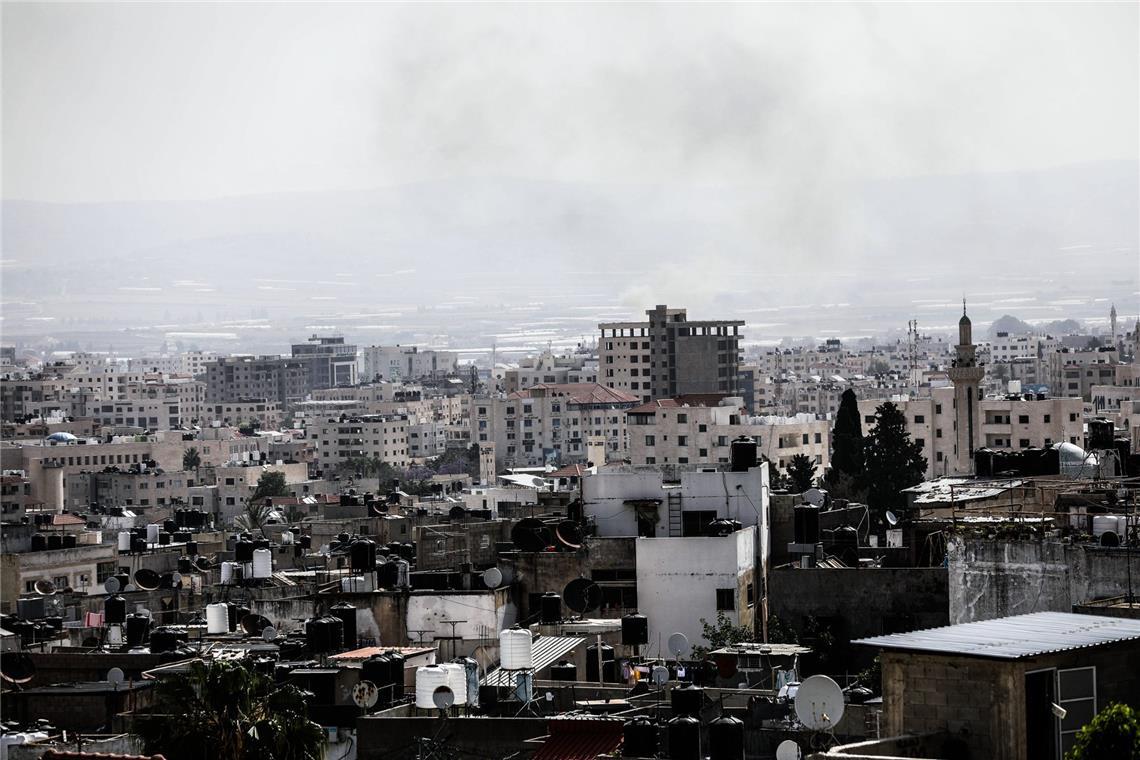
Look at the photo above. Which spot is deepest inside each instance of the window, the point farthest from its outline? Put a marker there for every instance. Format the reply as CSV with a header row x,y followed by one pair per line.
x,y
694,521
682,440
920,441
869,419
1047,418
1072,418
648,440
60,581
919,419
682,418
725,599
1076,693
703,453
104,570
1023,419
751,596
819,437
1023,443
938,408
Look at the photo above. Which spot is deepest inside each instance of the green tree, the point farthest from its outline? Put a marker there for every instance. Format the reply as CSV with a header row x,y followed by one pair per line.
x,y
801,472
1113,733
191,459
254,517
722,633
268,485
847,438
223,710
892,461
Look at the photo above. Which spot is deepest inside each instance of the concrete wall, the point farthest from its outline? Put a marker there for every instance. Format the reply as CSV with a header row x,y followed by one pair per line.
x,y
991,578
860,602
677,580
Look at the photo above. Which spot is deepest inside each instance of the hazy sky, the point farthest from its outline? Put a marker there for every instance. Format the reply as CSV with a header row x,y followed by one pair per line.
x,y
181,100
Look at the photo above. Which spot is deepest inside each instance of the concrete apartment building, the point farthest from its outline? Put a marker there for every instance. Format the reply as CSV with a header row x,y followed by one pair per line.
x,y
189,363
331,361
552,423
548,369
248,378
396,363
155,403
668,355
1073,372
127,487
382,437
699,430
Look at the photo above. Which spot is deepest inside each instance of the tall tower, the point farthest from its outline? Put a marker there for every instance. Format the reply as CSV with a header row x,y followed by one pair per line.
x,y
967,377
1112,325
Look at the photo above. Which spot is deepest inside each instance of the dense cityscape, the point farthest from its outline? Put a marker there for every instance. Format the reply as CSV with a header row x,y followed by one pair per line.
x,y
569,381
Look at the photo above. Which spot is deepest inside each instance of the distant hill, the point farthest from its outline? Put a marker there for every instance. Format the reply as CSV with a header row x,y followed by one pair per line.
x,y
1010,324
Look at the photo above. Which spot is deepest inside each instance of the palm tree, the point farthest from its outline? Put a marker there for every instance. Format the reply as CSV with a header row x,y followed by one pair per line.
x,y
255,516
223,710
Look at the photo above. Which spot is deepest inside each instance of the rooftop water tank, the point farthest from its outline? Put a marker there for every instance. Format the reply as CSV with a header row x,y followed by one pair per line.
x,y
217,618
515,649
428,679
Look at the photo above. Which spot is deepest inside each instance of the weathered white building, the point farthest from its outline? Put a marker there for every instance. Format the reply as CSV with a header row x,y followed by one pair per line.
x,y
396,363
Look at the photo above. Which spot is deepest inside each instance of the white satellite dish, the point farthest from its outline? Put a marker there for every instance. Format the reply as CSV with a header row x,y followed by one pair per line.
x,y
492,577
678,644
815,497
443,697
365,694
788,750
268,633
819,703
111,585
659,675
539,482
892,518
115,676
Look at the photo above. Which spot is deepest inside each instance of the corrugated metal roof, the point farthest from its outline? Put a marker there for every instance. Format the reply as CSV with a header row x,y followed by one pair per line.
x,y
1012,638
544,650
580,739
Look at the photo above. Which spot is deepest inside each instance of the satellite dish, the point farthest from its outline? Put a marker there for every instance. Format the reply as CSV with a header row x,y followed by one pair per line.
x,y
582,595
892,518
678,644
569,534
202,563
788,750
115,676
365,694
143,611
819,703
147,579
269,633
492,577
443,697
659,675
44,587
111,585
17,667
254,624
176,580
539,482
815,497
530,535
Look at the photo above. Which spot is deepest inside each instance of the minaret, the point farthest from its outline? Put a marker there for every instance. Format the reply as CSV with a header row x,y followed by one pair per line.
x,y
1112,324
967,377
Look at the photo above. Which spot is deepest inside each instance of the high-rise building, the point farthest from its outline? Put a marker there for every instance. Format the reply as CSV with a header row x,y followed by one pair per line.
x,y
331,361
669,355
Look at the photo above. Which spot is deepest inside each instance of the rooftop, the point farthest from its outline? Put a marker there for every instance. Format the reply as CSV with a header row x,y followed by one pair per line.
x,y
579,393
1016,637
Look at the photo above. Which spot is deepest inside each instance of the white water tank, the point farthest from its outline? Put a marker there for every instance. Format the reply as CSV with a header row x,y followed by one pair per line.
x,y
124,541
262,563
217,618
152,533
228,573
514,649
287,538
403,579
457,681
428,679
1104,523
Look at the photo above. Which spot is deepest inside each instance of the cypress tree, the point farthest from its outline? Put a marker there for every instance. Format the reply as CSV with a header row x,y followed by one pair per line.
x,y
892,461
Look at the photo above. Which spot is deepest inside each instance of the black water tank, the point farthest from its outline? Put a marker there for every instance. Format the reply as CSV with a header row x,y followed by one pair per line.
x,y
305,540
170,526
722,527
55,622
684,738
362,555
550,608
138,545
743,454
137,627
726,739
687,700
192,548
640,738
1100,434
378,670
182,536
346,613
55,541
163,538
243,551
397,674
805,529
70,541
39,542
564,670
236,613
185,565
262,543
388,575
634,630
114,610
165,640
609,669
